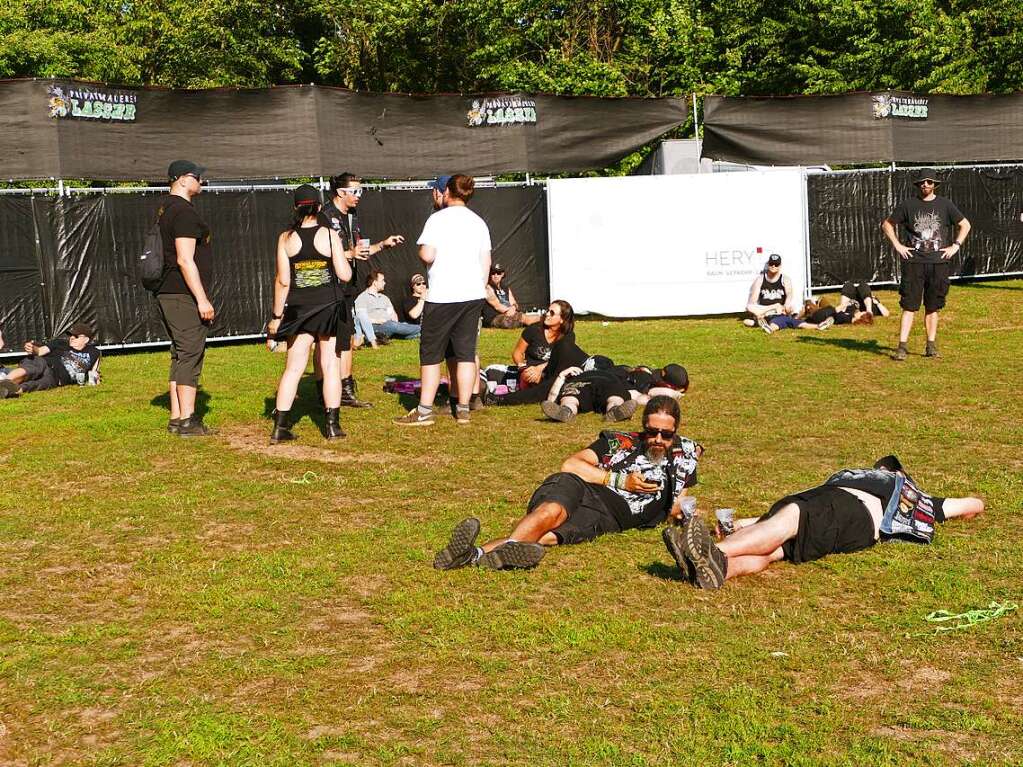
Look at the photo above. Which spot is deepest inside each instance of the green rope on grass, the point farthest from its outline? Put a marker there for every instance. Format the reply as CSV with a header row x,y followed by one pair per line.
x,y
307,479
967,619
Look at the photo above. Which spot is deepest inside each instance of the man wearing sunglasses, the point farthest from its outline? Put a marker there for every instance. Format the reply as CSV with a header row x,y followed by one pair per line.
x,y
340,215
184,301
623,480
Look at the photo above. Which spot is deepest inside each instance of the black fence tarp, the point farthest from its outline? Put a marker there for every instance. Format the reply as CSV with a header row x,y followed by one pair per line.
x,y
846,210
860,128
57,129
71,259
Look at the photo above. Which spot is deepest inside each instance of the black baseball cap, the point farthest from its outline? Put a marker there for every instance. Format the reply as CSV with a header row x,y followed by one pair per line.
x,y
774,260
926,174
307,194
676,376
496,268
180,168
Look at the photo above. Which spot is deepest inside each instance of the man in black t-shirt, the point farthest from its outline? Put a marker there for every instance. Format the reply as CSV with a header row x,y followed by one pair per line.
x,y
340,215
73,359
852,510
936,230
412,305
621,481
184,294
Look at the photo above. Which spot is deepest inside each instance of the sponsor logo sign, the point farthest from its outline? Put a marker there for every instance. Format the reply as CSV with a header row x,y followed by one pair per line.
x,y
501,110
81,102
886,106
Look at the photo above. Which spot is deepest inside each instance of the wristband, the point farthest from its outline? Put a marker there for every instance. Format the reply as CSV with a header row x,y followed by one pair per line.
x,y
276,316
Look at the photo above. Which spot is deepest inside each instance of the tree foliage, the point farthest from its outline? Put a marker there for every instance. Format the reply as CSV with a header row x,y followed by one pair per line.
x,y
600,47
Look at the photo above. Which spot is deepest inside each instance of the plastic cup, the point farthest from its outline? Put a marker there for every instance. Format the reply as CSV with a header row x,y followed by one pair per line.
x,y
364,246
726,520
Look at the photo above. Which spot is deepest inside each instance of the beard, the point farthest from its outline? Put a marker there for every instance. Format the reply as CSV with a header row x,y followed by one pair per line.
x,y
656,454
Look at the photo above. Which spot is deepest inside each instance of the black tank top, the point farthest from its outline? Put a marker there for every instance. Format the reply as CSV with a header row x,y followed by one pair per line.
x,y
772,292
312,273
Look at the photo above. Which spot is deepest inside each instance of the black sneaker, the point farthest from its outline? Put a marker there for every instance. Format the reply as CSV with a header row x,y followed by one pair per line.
x,y
461,549
557,412
708,560
193,427
931,350
513,555
672,536
8,389
622,412
900,353
173,425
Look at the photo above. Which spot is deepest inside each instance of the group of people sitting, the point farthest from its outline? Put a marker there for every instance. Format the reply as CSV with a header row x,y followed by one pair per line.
x,y
773,304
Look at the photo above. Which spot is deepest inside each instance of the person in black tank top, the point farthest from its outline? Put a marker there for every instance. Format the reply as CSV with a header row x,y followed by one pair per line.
x,y
309,306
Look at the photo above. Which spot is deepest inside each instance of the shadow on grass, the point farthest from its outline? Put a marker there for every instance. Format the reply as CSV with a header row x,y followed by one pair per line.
x,y
408,400
307,403
202,402
663,571
869,346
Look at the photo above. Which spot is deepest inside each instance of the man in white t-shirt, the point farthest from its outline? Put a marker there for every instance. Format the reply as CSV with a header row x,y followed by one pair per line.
x,y
455,246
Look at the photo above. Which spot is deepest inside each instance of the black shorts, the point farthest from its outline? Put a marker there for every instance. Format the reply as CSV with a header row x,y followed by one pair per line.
x,y
593,395
831,521
858,292
589,515
926,282
450,331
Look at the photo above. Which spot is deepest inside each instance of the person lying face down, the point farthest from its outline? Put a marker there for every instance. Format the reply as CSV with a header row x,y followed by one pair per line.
x,y
616,391
852,510
623,480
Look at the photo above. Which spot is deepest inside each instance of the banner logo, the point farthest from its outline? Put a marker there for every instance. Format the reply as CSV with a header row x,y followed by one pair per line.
x,y
501,110
734,262
887,105
82,103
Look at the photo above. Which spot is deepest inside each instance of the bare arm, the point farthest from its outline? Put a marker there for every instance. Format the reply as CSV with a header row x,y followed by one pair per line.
x,y
282,284
889,231
791,307
485,266
555,390
428,254
185,249
338,257
512,303
584,465
388,242
962,230
519,353
492,298
757,310
967,508
415,312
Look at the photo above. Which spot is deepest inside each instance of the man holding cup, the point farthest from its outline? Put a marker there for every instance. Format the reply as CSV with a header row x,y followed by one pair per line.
x,y
621,481
340,215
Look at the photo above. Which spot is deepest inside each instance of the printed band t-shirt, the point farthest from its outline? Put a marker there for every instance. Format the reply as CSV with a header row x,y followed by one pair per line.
x,y
180,219
501,292
929,226
772,292
625,451
538,350
71,366
461,239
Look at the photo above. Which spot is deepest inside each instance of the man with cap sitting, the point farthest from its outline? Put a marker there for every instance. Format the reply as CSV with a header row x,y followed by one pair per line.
x,y
622,481
412,305
773,303
936,230
73,359
501,310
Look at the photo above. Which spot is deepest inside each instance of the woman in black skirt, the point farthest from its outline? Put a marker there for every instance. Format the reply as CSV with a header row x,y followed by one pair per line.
x,y
310,259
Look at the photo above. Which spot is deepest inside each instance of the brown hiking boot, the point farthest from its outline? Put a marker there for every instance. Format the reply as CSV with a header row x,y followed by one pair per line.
x,y
931,350
900,353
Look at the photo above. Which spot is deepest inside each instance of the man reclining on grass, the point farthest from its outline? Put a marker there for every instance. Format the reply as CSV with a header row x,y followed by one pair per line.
x,y
73,359
614,390
852,510
621,481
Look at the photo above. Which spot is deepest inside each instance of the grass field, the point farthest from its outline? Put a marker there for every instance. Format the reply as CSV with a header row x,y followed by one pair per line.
x,y
207,602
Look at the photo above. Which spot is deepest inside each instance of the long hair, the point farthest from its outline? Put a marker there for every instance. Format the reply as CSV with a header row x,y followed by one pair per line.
x,y
567,317
300,213
663,404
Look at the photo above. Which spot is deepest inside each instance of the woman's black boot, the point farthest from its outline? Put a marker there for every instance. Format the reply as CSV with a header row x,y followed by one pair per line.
x,y
282,429
333,430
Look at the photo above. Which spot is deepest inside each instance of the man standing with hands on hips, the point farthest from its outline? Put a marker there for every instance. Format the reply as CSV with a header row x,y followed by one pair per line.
x,y
455,246
183,298
929,220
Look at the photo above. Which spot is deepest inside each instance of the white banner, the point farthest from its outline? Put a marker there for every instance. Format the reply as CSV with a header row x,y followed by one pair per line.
x,y
669,246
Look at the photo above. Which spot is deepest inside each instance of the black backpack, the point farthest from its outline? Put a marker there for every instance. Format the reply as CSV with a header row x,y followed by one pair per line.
x,y
150,263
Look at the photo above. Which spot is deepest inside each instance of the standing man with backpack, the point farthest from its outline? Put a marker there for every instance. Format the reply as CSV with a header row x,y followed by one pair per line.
x,y
182,294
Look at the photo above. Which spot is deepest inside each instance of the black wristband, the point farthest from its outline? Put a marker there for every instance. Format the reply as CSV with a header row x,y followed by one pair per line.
x,y
276,316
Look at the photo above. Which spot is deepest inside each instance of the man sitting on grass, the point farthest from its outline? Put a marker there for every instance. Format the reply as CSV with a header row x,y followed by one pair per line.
x,y
852,510
621,481
60,362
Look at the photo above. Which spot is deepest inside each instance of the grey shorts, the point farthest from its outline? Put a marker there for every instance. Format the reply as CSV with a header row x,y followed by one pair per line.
x,y
188,333
40,375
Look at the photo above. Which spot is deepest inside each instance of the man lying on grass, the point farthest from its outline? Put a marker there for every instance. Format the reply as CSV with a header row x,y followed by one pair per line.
x,y
852,510
621,481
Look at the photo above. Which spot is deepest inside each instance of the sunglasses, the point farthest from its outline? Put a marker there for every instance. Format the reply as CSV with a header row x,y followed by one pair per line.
x,y
192,175
418,284
354,191
650,432
551,313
